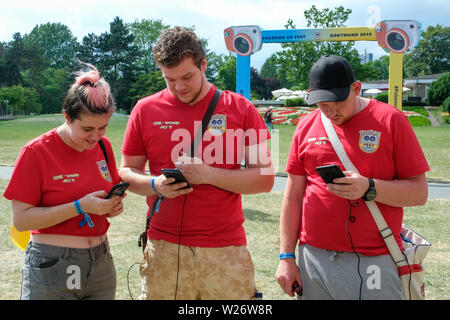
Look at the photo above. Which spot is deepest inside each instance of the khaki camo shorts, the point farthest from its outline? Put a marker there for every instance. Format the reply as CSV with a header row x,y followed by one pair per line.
x,y
224,273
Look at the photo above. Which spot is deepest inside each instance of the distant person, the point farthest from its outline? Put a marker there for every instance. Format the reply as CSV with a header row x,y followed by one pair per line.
x,y
340,246
57,191
196,239
268,118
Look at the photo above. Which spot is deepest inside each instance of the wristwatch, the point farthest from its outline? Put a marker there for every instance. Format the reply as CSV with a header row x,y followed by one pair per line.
x,y
371,193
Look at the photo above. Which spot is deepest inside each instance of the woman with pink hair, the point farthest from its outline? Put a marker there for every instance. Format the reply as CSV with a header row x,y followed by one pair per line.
x,y
58,190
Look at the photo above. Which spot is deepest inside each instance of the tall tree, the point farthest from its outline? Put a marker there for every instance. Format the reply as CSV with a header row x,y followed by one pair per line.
x,y
432,55
118,61
226,75
295,60
57,42
146,32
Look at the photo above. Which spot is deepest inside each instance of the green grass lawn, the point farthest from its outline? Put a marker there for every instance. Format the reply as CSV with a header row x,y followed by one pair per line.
x,y
261,213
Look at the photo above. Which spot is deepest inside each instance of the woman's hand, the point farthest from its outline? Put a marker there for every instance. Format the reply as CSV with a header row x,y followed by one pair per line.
x,y
95,203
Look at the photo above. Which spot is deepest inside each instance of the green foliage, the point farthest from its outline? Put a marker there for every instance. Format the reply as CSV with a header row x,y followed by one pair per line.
x,y
431,55
296,102
226,78
295,61
383,97
446,105
439,90
56,41
20,100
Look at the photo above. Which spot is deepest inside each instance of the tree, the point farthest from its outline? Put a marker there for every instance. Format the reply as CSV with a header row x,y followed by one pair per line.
x,y
57,42
90,51
146,32
432,55
439,90
261,87
226,75
20,100
146,84
118,61
296,59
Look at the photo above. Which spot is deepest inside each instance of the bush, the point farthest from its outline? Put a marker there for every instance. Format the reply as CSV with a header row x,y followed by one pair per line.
x,y
446,105
296,102
445,117
383,97
439,90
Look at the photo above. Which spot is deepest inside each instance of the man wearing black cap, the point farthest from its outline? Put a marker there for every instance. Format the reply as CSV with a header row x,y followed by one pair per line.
x,y
341,252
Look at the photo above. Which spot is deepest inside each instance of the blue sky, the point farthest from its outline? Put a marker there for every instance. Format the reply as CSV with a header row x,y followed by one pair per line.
x,y
211,17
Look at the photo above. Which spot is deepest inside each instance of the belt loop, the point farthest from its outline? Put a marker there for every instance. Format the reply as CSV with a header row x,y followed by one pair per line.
x,y
67,253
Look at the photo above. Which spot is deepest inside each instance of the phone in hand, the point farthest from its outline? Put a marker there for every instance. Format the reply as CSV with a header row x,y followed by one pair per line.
x,y
117,190
176,173
330,172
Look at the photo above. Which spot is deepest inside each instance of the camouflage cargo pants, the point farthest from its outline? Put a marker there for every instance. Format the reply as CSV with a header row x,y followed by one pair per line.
x,y
224,273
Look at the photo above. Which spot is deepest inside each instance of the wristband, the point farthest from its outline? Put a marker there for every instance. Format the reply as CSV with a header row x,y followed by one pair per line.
x,y
287,255
160,196
86,218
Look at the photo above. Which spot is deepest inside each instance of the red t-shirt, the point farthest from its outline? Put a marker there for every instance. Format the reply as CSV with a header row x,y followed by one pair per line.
x,y
381,144
48,173
159,126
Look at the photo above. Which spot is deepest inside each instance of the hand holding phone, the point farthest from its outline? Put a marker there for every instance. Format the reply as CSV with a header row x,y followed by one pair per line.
x,y
330,172
176,173
118,190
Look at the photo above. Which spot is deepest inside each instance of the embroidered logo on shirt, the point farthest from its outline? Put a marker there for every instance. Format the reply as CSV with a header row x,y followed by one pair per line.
x,y
218,124
66,178
103,167
369,140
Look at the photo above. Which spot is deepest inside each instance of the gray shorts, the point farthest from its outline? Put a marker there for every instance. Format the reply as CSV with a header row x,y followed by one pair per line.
x,y
330,275
60,273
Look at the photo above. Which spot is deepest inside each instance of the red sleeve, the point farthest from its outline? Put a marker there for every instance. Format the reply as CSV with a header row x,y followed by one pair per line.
x,y
26,180
405,145
132,142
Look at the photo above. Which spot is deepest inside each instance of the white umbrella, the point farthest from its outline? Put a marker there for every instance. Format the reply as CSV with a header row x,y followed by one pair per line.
x,y
372,91
282,92
284,97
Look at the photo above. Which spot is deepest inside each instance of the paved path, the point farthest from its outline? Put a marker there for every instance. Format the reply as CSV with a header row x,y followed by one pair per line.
x,y
436,190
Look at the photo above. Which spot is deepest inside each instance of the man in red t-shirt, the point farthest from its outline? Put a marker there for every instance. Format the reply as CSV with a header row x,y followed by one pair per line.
x,y
197,243
340,248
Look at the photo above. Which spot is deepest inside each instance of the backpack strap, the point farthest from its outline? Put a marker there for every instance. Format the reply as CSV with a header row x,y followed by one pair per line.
x,y
102,146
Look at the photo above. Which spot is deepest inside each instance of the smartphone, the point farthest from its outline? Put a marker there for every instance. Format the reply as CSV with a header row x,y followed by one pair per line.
x,y
117,190
175,173
329,172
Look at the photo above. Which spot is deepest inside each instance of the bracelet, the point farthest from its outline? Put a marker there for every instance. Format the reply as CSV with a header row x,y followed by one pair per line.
x,y
86,218
160,196
287,255
154,188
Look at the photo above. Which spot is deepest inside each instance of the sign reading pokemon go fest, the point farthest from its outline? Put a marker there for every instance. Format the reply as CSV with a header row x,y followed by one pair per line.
x,y
394,36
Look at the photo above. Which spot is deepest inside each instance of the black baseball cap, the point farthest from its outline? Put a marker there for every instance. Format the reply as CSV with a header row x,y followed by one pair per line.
x,y
330,79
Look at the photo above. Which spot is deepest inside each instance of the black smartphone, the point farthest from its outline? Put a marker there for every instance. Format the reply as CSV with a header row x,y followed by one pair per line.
x,y
329,172
175,173
117,190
